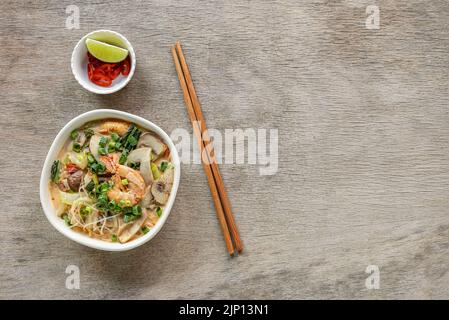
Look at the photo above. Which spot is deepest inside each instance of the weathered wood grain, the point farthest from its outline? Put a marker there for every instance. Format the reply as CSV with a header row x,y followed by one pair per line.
x,y
363,144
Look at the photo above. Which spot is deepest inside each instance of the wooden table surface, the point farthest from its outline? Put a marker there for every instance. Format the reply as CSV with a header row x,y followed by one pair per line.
x,y
362,117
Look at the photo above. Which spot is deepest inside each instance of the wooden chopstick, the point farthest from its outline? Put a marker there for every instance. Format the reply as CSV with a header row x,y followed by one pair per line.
x,y
206,166
210,151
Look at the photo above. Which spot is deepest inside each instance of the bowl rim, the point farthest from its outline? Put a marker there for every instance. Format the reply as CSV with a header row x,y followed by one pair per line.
x,y
55,148
113,88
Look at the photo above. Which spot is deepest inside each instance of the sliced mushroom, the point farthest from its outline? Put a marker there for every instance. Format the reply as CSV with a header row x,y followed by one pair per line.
x,y
162,187
142,155
131,229
74,180
147,199
94,144
149,140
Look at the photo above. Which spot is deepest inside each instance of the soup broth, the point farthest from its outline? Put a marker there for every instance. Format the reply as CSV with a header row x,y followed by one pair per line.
x,y
111,180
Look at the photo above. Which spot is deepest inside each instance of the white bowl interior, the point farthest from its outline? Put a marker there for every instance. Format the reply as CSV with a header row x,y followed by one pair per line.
x,y
79,61
55,148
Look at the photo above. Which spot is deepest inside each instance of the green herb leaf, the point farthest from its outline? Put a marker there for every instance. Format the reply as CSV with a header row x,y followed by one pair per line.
x,y
55,171
158,211
114,238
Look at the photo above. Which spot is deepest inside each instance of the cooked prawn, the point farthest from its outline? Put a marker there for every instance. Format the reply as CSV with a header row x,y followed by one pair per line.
x,y
110,162
117,126
133,191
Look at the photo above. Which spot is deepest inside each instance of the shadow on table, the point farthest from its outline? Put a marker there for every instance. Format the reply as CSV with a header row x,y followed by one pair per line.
x,y
138,268
131,98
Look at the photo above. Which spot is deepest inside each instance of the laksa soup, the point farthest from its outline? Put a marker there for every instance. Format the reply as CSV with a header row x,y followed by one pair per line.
x,y
112,180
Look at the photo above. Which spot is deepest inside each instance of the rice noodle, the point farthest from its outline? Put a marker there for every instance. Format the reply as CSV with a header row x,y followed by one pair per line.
x,y
89,215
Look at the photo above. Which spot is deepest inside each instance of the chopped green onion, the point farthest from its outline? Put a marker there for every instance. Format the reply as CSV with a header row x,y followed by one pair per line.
x,y
145,230
94,167
111,147
66,219
104,187
155,171
137,210
85,211
95,178
89,133
101,167
164,166
122,203
111,205
132,141
76,147
128,218
125,182
158,211
90,186
102,151
90,158
103,142
115,137
134,165
123,157
114,238
74,134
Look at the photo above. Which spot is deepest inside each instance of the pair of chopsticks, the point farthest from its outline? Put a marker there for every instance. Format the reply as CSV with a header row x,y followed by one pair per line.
x,y
221,200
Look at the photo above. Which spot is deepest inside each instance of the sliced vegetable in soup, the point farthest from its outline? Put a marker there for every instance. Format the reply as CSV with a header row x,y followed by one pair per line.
x,y
112,180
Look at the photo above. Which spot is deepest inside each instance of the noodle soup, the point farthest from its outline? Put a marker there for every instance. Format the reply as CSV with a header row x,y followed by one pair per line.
x,y
111,180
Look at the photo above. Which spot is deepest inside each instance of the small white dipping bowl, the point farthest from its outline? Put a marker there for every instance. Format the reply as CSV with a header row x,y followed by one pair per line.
x,y
52,155
79,61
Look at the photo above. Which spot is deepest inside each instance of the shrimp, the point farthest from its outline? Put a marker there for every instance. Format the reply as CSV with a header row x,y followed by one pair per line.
x,y
117,126
110,162
133,191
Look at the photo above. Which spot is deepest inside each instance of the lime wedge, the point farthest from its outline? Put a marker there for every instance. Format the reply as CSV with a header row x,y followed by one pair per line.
x,y
106,52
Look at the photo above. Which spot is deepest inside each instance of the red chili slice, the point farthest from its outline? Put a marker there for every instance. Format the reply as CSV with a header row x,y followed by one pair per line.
x,y
101,80
126,66
102,73
115,72
71,168
90,70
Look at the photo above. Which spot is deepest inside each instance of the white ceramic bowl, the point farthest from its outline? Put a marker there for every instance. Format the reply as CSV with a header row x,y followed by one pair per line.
x,y
79,61
55,148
